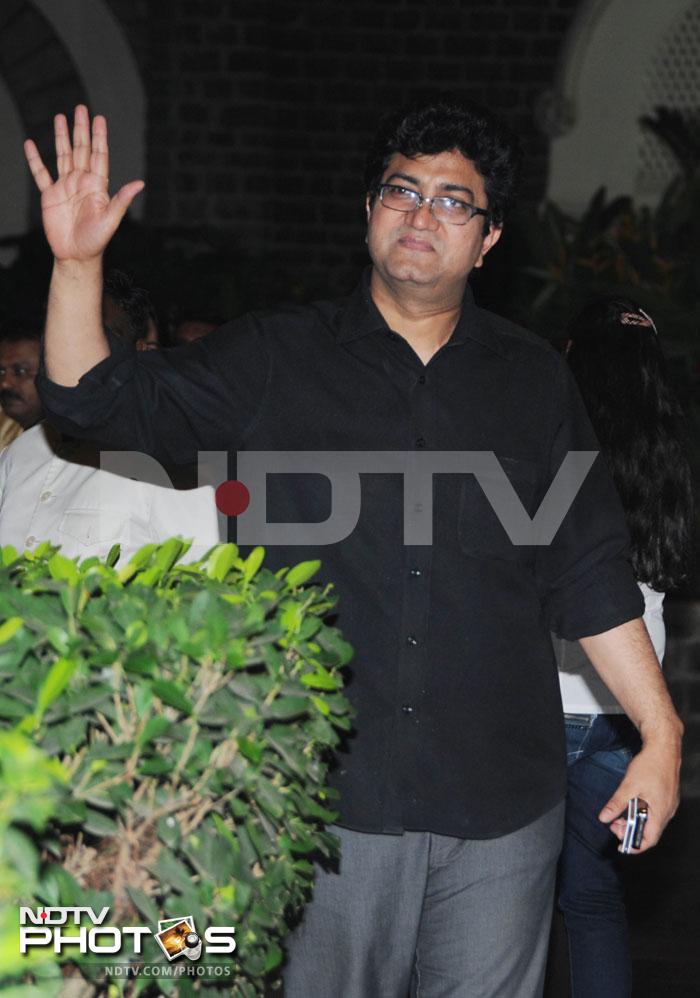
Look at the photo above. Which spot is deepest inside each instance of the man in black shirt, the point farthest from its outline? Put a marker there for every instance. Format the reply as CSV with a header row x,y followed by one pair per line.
x,y
452,789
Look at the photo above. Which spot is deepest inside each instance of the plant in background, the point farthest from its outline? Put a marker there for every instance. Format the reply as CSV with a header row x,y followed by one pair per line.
x,y
194,709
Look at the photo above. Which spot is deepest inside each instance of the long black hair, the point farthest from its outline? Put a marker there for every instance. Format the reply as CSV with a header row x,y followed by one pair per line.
x,y
616,358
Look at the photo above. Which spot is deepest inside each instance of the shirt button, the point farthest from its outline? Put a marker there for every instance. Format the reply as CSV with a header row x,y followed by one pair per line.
x,y
30,541
411,640
421,379
407,708
415,572
420,442
44,496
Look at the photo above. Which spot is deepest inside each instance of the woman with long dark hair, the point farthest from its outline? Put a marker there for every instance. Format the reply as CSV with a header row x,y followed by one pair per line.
x,y
616,358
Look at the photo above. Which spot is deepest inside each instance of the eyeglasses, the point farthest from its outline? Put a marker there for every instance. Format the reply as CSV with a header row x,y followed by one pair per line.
x,y
444,209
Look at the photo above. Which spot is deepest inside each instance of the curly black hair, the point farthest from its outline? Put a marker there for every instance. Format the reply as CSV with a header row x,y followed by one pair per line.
x,y
440,125
619,366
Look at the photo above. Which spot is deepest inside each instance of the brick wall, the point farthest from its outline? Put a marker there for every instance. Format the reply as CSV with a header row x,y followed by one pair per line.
x,y
260,112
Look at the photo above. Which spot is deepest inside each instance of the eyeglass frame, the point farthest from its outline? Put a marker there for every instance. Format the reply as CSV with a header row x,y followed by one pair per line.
x,y
421,200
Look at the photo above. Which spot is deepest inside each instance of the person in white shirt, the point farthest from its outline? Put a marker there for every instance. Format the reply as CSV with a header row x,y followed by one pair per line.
x,y
52,487
616,358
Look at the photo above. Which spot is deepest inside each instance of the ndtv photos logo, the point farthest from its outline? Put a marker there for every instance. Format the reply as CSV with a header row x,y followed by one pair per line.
x,y
60,927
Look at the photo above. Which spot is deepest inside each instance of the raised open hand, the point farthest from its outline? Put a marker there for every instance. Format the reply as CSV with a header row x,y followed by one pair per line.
x,y
78,214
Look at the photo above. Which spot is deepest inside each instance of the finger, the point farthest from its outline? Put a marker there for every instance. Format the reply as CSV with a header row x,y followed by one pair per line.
x,y
618,827
41,175
616,805
99,160
64,153
123,198
81,138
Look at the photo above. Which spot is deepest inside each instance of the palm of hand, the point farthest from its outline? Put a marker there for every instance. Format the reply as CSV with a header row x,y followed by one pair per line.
x,y
75,215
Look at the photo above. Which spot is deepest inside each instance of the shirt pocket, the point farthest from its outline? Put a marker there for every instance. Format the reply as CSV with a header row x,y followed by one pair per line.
x,y
480,532
93,527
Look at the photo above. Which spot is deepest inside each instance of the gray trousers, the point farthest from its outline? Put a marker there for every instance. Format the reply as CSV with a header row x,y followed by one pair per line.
x,y
429,914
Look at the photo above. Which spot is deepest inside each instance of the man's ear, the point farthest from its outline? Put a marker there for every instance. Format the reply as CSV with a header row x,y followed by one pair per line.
x,y
489,240
368,206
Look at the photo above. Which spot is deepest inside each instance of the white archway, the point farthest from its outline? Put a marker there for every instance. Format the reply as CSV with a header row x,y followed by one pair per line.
x,y
611,75
96,43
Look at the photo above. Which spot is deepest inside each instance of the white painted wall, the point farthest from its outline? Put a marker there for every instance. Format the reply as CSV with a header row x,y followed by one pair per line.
x,y
602,81
96,43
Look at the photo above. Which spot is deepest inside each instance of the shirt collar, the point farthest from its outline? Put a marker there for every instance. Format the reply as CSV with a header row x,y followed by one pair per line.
x,y
361,316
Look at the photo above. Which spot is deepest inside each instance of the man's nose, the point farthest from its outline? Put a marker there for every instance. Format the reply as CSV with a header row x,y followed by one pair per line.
x,y
423,218
7,380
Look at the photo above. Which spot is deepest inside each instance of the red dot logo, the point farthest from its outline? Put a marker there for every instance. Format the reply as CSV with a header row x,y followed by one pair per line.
x,y
232,498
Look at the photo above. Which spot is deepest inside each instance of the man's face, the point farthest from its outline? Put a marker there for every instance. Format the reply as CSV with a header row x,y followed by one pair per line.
x,y
414,249
19,363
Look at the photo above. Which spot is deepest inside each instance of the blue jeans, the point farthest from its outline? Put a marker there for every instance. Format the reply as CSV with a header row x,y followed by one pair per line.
x,y
599,749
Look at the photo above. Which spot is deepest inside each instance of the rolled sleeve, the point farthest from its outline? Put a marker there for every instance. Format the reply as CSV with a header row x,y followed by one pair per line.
x,y
87,404
169,404
586,581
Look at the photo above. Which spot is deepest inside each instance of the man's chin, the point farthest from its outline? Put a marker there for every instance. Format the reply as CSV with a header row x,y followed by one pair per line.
x,y
411,272
20,414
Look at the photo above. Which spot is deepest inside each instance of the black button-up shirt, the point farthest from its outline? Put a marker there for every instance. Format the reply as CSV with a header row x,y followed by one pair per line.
x,y
459,721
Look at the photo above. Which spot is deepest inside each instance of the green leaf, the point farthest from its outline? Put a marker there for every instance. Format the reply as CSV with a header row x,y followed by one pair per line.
x,y
154,728
286,707
137,561
100,824
9,555
10,627
252,751
145,905
273,957
155,767
221,561
141,663
170,871
253,563
113,555
320,680
172,694
58,677
169,552
11,709
291,616
136,634
301,573
19,853
63,569
143,697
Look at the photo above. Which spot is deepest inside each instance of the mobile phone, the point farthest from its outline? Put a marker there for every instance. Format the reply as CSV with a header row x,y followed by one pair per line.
x,y
637,814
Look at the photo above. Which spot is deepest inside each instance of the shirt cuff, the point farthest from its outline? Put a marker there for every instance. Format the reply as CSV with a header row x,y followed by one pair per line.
x,y
610,597
86,403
